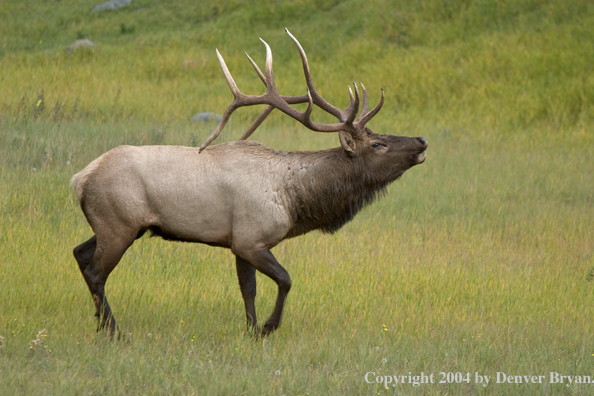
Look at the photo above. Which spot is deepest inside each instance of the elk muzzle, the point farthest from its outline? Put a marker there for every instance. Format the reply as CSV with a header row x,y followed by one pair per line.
x,y
420,156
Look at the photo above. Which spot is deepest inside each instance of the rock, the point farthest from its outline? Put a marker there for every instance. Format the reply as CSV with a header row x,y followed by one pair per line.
x,y
111,5
207,117
84,43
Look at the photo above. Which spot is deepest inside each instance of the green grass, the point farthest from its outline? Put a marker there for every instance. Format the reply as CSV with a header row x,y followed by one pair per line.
x,y
479,260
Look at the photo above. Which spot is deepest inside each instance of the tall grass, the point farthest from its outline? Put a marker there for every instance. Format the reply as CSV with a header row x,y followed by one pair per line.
x,y
479,260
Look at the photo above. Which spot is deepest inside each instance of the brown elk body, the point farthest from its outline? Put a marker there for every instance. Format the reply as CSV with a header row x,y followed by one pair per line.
x,y
240,195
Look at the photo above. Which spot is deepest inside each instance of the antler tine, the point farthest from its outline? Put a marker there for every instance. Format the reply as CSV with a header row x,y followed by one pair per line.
x,y
365,101
351,105
351,96
342,115
354,106
234,105
255,66
257,122
268,70
219,127
367,117
228,76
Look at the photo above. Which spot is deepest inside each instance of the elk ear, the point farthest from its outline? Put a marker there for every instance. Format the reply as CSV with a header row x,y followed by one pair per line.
x,y
347,142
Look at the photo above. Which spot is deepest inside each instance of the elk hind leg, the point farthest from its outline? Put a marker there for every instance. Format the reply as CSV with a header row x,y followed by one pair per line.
x,y
83,254
108,250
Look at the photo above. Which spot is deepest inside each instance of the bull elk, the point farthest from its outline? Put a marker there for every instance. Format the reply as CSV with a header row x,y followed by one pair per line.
x,y
239,195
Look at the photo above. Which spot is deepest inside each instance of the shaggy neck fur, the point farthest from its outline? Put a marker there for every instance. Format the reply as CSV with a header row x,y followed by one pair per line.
x,y
328,188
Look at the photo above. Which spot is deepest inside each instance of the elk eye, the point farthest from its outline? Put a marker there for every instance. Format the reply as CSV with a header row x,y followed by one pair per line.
x,y
377,145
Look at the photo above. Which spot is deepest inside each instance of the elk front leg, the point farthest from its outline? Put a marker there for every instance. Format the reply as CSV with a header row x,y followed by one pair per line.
x,y
246,274
263,260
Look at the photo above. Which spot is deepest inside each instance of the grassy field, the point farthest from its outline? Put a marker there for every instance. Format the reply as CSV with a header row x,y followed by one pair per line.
x,y
478,261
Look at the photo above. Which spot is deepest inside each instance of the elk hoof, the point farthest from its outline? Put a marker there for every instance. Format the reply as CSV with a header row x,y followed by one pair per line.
x,y
268,328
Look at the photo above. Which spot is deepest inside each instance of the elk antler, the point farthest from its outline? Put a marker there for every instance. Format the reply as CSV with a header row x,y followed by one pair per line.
x,y
274,100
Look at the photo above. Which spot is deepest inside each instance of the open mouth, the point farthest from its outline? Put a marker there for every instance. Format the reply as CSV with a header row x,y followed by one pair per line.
x,y
418,158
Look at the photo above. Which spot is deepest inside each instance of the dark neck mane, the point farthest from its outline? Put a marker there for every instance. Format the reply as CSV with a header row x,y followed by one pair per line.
x,y
327,189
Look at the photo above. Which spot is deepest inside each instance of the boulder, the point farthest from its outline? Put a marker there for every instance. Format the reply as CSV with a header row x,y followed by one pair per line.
x,y
84,43
207,117
111,5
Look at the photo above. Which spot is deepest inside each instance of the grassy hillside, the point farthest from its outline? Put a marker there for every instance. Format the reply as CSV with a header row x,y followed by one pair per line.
x,y
506,64
478,261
